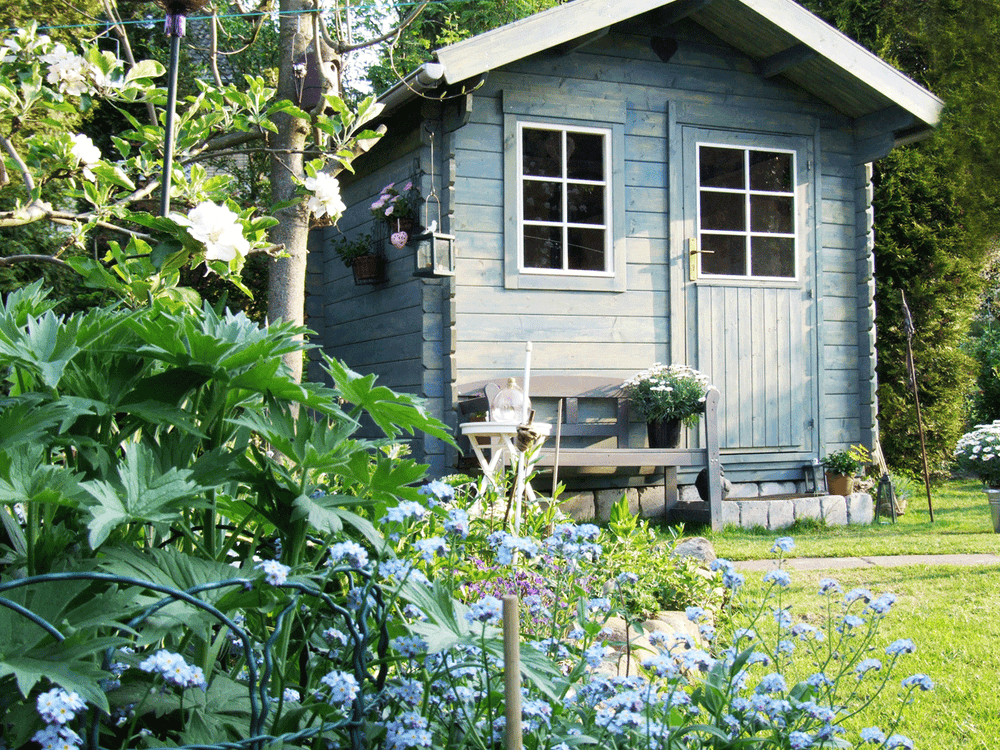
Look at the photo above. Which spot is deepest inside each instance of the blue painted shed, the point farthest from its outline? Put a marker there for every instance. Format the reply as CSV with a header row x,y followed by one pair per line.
x,y
681,181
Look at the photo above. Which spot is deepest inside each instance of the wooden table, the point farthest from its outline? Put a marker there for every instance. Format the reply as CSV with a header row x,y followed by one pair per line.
x,y
503,444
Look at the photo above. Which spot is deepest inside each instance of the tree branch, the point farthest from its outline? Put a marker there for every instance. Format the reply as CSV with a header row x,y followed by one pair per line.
x,y
119,27
29,181
13,260
344,48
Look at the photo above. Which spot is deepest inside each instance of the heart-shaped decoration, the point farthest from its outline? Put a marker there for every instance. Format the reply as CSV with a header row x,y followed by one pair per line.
x,y
399,239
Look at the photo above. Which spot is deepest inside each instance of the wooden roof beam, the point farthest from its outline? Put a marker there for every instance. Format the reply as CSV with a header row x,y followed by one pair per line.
x,y
574,45
779,62
667,15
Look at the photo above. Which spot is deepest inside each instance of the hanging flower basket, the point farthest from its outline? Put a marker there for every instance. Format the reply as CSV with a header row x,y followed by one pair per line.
x,y
368,269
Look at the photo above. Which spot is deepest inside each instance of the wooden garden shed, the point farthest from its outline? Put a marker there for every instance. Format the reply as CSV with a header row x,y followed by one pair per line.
x,y
626,183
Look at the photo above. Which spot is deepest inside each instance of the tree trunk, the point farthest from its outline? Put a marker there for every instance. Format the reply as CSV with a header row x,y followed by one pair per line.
x,y
287,280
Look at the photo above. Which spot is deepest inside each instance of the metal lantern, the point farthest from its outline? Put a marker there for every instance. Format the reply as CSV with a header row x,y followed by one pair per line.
x,y
435,254
435,251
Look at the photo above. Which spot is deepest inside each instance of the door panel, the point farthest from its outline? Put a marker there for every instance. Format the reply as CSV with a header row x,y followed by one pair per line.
x,y
754,336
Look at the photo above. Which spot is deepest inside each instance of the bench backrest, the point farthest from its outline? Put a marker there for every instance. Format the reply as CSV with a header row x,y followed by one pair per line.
x,y
584,415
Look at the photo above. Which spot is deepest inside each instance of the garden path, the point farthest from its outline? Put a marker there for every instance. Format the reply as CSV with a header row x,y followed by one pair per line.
x,y
874,561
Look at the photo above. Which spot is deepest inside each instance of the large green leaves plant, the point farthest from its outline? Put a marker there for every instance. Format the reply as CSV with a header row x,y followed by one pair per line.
x,y
172,448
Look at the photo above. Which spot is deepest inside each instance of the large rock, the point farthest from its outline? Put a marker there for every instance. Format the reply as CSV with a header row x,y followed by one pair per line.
x,y
651,502
753,513
578,506
604,500
697,547
834,509
781,514
860,508
808,507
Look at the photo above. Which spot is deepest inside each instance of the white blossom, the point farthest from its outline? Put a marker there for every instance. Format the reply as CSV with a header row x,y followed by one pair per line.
x,y
67,70
325,200
218,228
86,153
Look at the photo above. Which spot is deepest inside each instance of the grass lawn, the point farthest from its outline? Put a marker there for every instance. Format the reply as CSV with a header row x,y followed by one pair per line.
x,y
952,614
961,525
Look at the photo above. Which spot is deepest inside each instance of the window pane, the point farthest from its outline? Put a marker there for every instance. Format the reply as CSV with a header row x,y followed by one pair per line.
x,y
585,204
542,201
723,254
585,156
542,152
542,247
721,167
586,249
770,171
773,256
723,211
771,213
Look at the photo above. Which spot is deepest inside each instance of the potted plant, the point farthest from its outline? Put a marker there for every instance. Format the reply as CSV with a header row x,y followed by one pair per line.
x,y
358,254
978,453
666,397
398,208
842,466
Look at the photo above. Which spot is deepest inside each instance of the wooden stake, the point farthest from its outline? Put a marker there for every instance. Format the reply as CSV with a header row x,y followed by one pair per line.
x,y
912,371
512,672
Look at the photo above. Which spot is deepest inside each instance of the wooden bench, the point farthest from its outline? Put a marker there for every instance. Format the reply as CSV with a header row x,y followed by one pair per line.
x,y
595,412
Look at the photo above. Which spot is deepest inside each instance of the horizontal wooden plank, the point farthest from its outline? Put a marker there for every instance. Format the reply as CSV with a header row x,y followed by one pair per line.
x,y
479,190
472,300
493,357
565,328
646,174
650,458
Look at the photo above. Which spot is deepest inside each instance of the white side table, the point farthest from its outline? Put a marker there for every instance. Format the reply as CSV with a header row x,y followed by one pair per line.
x,y
503,443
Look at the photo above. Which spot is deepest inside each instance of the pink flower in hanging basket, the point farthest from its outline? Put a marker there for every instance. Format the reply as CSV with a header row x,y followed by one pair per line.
x,y
399,239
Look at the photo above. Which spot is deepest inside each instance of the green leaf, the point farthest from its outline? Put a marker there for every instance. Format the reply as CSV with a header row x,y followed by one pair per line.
x,y
142,495
113,174
394,413
145,69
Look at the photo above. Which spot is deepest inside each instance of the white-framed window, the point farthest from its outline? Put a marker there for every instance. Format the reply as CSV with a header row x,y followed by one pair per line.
x,y
564,215
747,212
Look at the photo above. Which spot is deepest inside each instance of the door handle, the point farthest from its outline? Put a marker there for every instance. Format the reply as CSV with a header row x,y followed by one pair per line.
x,y
693,253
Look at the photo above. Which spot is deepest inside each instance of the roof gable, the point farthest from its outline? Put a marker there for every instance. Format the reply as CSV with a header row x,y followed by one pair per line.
x,y
780,35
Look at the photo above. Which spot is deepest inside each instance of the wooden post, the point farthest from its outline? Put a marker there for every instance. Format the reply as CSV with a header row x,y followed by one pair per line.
x,y
911,369
512,672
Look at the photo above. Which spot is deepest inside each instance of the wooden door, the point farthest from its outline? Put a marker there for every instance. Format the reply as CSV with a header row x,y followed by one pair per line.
x,y
749,286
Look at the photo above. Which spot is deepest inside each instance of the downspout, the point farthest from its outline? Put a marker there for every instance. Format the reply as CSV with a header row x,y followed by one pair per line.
x,y
425,78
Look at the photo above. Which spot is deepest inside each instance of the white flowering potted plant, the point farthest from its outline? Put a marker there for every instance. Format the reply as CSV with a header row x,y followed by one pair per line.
x,y
398,207
667,397
978,453
843,466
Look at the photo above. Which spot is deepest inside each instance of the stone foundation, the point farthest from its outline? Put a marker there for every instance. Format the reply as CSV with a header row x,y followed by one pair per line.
x,y
773,505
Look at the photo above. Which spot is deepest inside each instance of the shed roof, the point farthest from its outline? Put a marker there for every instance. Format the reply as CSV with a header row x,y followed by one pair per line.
x,y
782,37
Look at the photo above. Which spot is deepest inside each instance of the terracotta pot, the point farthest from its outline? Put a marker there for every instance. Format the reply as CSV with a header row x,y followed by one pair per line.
x,y
839,484
664,433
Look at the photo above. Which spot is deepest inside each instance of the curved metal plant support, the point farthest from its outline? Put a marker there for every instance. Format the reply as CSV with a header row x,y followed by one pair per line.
x,y
368,646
